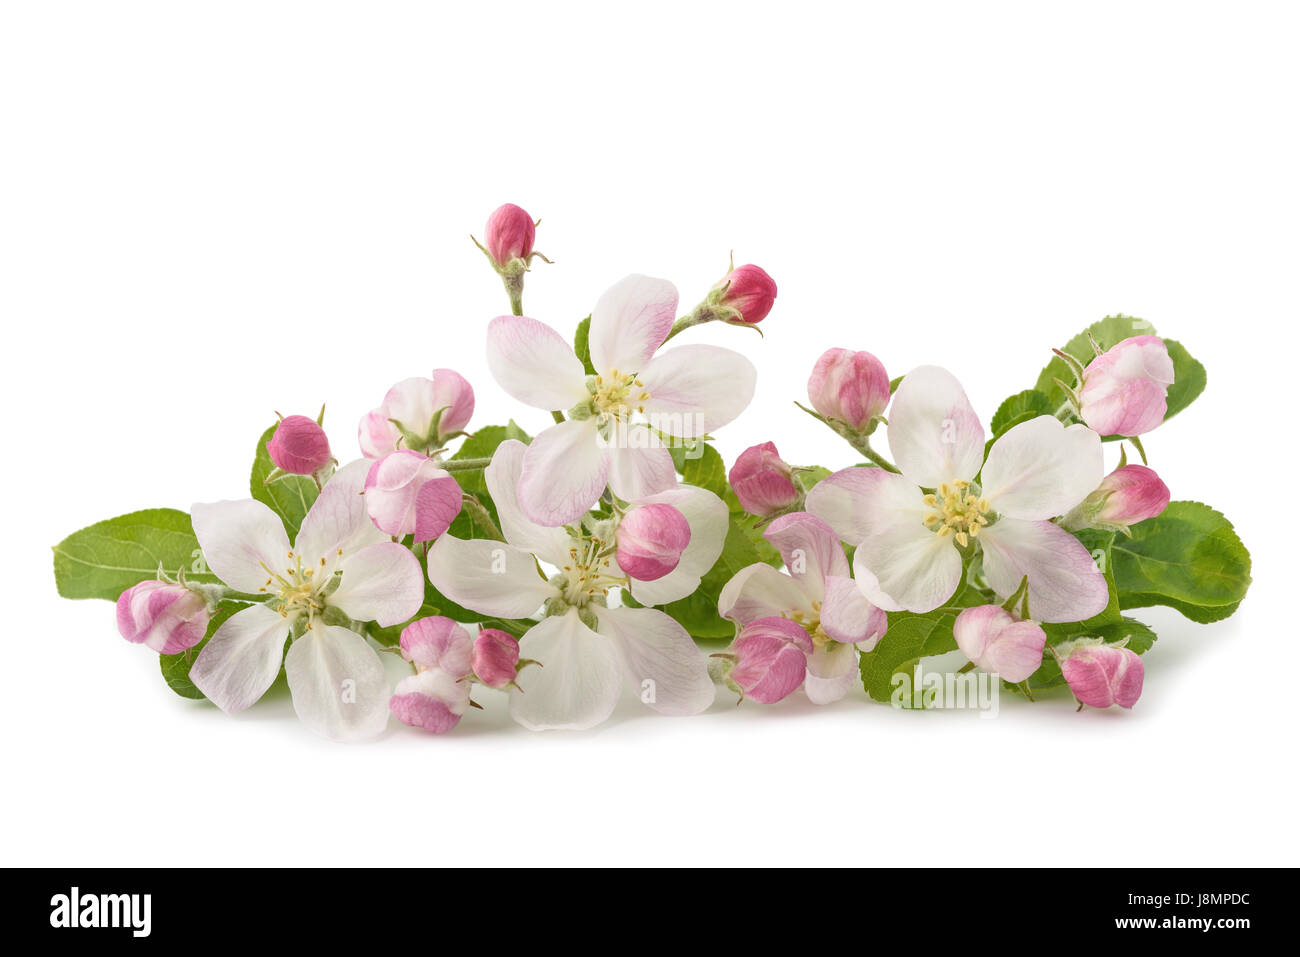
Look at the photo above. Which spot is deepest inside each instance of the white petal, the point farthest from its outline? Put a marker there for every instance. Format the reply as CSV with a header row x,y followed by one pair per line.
x,y
547,542
631,321
534,364
564,471
907,568
1040,469
491,578
337,521
706,514
1065,583
860,502
338,684
696,389
242,658
847,616
640,469
811,550
662,662
832,672
382,583
240,542
934,434
578,683
760,591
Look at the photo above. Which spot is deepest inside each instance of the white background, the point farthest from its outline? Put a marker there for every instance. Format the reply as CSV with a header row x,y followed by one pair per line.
x,y
212,211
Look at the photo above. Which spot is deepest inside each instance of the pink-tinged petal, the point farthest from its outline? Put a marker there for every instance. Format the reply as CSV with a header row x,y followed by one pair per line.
x,y
630,321
242,658
496,657
1040,469
651,539
432,700
771,659
763,482
337,523
381,583
565,470
436,506
1000,643
664,666
338,684
547,542
165,617
453,394
810,548
407,493
376,435
1124,389
491,578
707,517
640,468
438,642
1130,495
760,591
299,446
1064,581
852,387
696,389
509,234
1102,675
578,683
860,502
533,363
832,672
847,615
934,434
907,567
240,541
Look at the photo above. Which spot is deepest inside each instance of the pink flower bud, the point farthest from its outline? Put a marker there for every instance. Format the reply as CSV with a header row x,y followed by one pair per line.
x,y
1124,388
167,618
408,494
750,291
651,539
438,643
1130,495
762,482
432,700
850,387
406,417
771,659
496,657
510,234
299,446
1103,675
1000,643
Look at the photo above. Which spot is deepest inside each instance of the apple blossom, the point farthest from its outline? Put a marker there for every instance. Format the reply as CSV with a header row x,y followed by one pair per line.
x,y
496,657
850,388
340,570
510,234
651,539
163,616
418,414
910,543
749,292
817,595
408,493
1000,643
1124,389
1128,495
770,658
763,483
299,446
684,392
438,642
433,700
1101,675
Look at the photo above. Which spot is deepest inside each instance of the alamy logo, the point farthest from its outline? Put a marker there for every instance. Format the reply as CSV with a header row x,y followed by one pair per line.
x,y
102,910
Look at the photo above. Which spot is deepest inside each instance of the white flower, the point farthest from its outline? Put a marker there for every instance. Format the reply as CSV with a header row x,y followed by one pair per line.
x,y
587,650
909,543
686,392
340,569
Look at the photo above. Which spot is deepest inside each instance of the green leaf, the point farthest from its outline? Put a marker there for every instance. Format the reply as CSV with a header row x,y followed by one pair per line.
x,y
176,668
1021,407
698,612
582,345
289,496
514,431
107,558
808,477
1188,558
481,445
702,466
1189,379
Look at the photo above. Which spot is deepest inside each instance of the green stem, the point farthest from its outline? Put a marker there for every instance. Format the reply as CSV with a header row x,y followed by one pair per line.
x,y
861,443
465,465
557,415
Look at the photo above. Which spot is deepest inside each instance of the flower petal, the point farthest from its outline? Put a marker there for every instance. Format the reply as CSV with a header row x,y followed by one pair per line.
x,y
832,671
760,591
533,363
907,568
662,662
859,502
847,615
242,658
630,321
1040,469
1064,581
810,548
707,516
696,389
338,684
240,541
491,578
578,683
548,542
638,470
934,434
337,521
382,583
564,471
